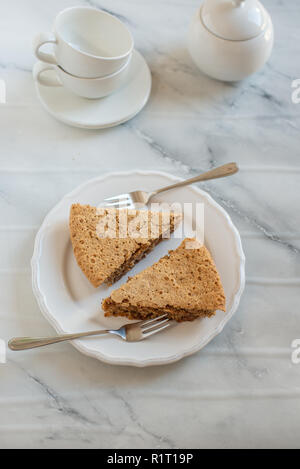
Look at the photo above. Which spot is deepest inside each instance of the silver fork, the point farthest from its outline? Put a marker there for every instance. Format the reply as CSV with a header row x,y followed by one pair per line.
x,y
135,198
130,332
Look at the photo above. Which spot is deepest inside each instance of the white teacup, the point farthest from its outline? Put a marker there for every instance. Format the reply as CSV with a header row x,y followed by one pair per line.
x,y
88,43
92,88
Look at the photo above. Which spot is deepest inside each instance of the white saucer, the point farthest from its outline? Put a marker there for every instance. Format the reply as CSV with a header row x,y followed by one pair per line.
x,y
110,111
71,304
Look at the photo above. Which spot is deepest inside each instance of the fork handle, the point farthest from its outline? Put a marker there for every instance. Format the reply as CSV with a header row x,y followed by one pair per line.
x,y
26,343
219,172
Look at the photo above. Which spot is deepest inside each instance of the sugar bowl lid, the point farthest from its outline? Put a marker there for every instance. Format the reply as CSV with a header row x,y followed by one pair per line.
x,y
234,20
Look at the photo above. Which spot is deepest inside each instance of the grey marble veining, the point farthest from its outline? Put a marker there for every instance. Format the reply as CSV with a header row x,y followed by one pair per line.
x,y
242,390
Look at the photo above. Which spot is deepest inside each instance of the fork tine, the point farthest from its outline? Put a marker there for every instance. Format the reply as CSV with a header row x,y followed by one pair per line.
x,y
150,327
118,203
149,321
116,197
155,331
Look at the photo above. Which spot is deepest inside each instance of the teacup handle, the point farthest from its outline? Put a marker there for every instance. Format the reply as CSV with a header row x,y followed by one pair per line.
x,y
38,42
38,71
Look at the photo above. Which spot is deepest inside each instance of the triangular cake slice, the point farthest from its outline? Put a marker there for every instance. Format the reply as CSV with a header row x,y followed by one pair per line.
x,y
107,242
184,284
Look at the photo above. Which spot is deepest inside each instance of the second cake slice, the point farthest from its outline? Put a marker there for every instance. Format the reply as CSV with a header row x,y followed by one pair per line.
x,y
185,285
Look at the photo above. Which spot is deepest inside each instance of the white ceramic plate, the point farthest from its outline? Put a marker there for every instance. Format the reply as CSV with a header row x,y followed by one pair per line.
x,y
71,304
110,111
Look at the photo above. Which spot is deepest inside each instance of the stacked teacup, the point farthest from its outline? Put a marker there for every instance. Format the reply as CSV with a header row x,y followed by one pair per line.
x,y
91,56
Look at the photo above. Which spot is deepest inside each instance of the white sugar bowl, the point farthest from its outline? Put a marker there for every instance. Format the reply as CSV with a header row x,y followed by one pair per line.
x,y
230,39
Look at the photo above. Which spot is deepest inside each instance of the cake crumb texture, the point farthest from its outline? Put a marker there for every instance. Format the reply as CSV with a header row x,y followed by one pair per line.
x,y
105,259
184,284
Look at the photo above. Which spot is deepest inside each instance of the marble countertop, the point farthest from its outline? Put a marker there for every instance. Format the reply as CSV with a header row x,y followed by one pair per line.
x,y
242,390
